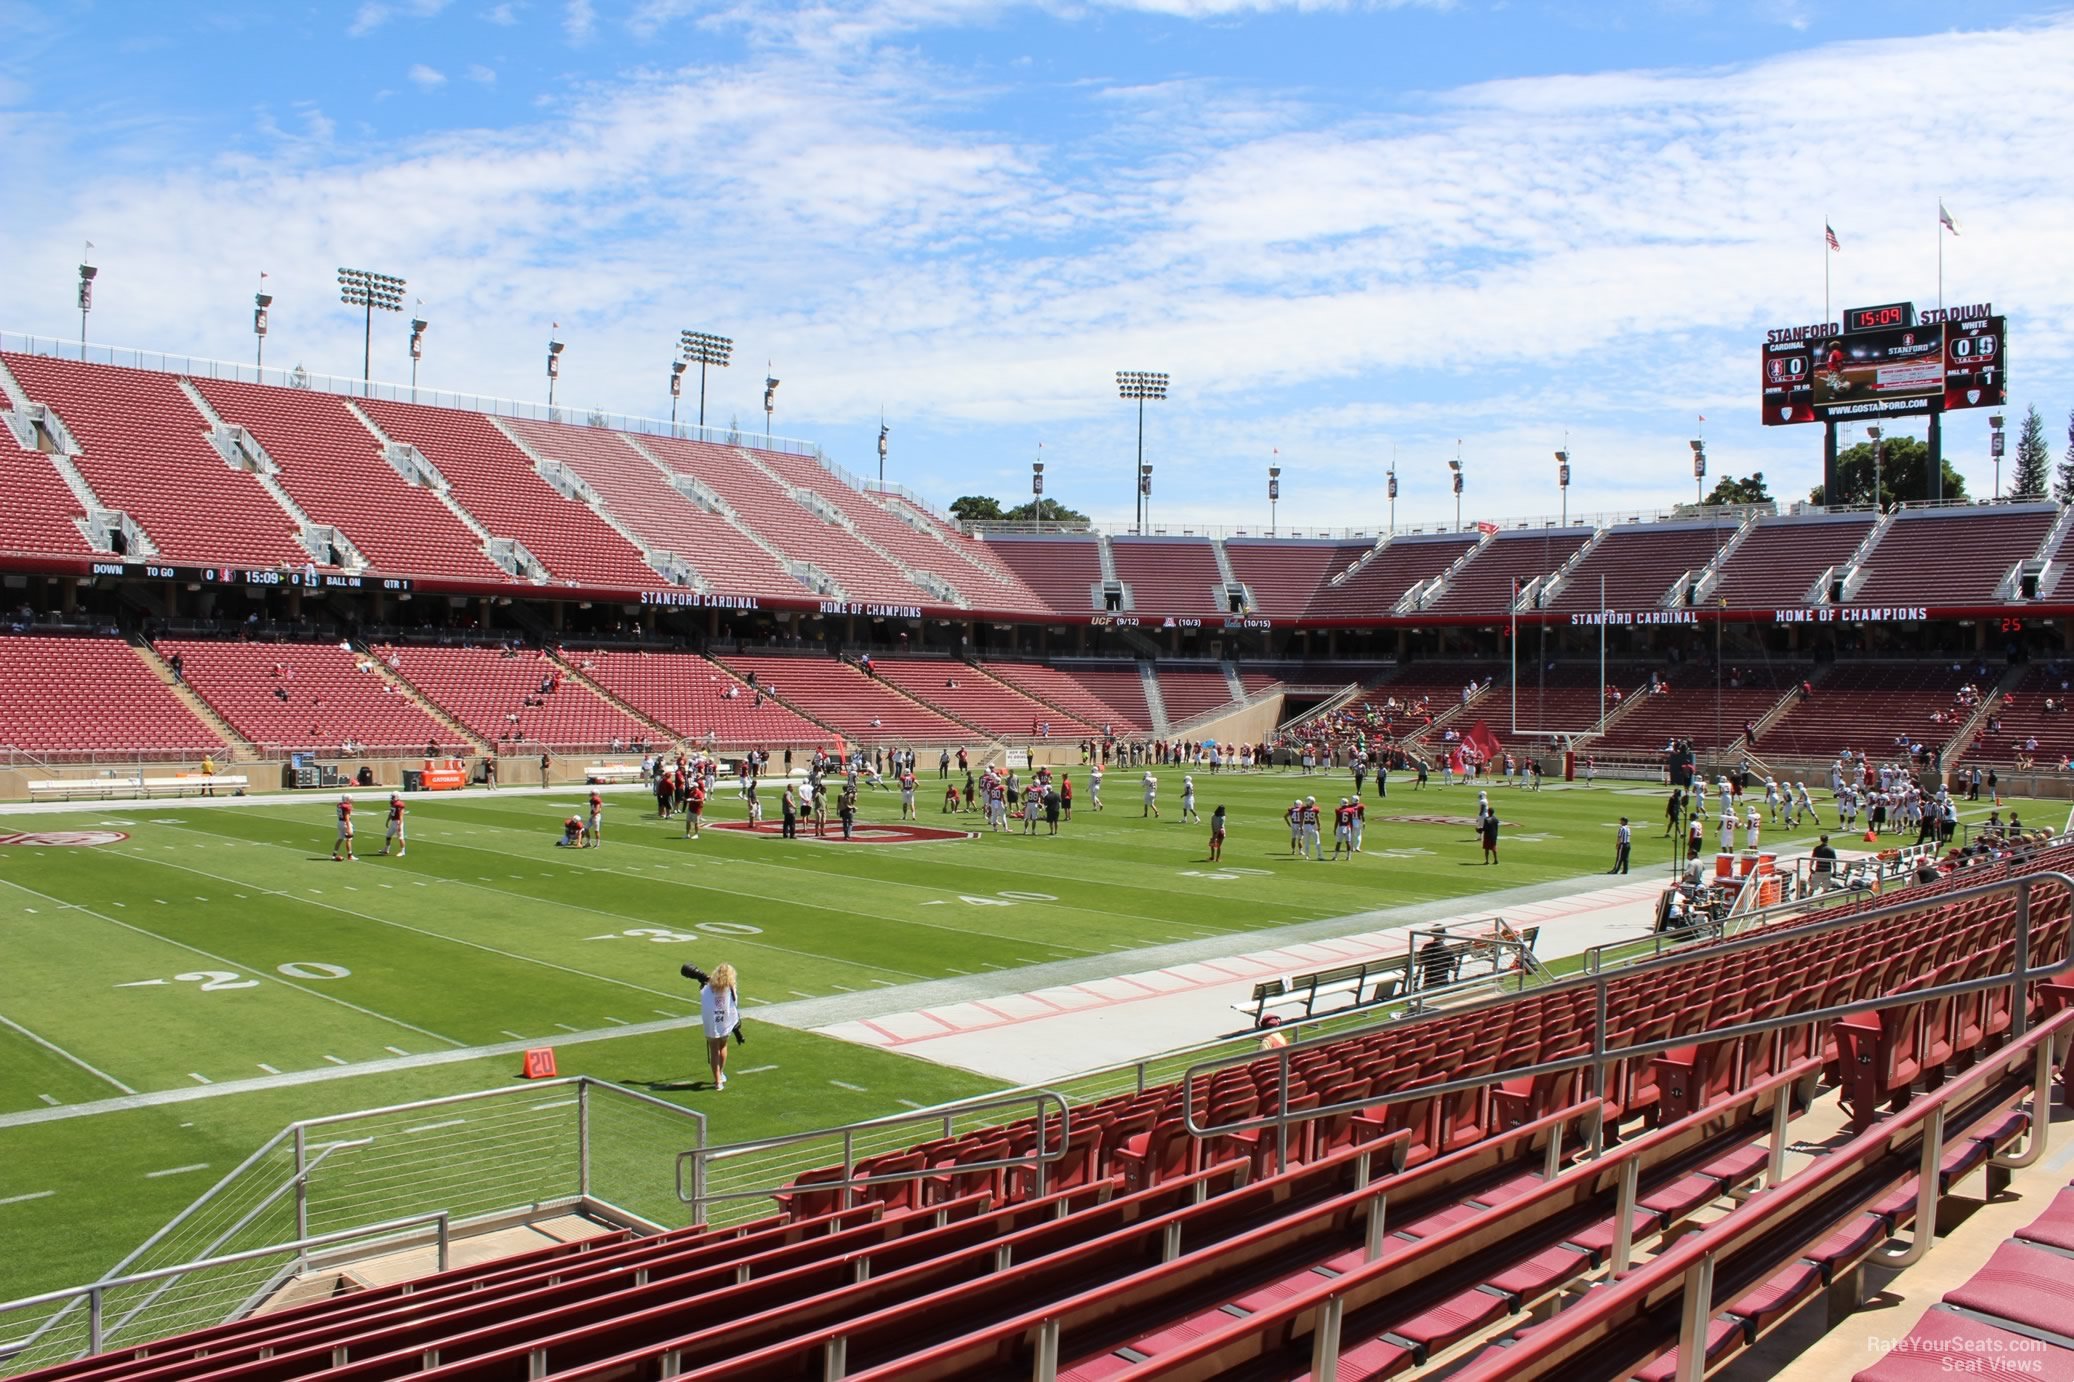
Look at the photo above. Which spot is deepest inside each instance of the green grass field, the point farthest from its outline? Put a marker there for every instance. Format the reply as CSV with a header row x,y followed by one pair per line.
x,y
215,947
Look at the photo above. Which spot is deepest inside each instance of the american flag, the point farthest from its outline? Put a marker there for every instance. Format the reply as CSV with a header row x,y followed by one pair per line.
x,y
1829,233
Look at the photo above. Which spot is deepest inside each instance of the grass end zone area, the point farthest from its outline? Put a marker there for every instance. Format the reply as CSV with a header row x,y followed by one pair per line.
x,y
173,998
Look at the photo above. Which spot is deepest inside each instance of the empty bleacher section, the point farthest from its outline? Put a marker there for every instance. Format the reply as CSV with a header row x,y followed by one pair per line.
x,y
315,697
1192,691
1169,575
978,699
1105,695
999,588
1065,572
860,706
496,483
43,515
1559,700
912,549
333,468
767,503
638,494
1777,564
1635,565
1688,708
142,450
2024,718
690,696
1285,577
1863,707
1487,581
65,695
518,702
1951,556
1403,562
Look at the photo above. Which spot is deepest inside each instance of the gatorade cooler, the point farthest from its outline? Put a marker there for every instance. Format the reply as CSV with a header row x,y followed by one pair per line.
x,y
1724,866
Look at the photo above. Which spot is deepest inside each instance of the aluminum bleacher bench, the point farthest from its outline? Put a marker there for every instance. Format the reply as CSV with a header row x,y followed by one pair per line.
x,y
613,772
105,788
1368,982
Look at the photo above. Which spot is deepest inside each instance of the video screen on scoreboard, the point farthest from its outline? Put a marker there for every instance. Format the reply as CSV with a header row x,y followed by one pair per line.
x,y
1889,370
1976,374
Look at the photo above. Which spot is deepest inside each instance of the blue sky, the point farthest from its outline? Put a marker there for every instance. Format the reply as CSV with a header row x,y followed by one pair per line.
x,y
1347,230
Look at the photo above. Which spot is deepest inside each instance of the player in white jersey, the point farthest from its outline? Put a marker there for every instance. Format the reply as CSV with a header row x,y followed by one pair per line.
x,y
1188,811
1094,785
1151,796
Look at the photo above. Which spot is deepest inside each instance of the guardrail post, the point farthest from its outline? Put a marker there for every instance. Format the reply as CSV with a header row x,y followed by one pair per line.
x,y
583,1136
2019,986
1696,1310
1775,1166
1044,1366
1282,1112
1325,1331
849,1166
93,1320
1598,1143
302,1191
445,1240
1624,1223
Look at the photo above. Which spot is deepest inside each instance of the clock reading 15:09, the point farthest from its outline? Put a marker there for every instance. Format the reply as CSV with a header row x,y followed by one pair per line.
x,y
1879,318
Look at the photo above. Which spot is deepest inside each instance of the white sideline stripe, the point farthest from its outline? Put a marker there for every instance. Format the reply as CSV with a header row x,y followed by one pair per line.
x,y
32,1195
845,1084
176,1170
339,1070
58,1050
444,1123
268,1068
199,1079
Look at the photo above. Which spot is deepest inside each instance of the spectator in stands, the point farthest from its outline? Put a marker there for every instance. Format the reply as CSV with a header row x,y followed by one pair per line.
x,y
1436,960
720,1015
1822,863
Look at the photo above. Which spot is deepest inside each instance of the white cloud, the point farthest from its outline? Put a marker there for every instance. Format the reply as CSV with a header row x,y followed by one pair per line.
x,y
426,78
481,75
372,14
579,20
505,14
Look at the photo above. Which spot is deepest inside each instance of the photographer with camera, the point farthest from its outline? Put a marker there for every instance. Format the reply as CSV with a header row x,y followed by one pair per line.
x,y
720,1012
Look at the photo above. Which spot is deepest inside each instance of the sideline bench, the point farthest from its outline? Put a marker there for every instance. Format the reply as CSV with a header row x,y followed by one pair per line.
x,y
1371,981
613,772
104,788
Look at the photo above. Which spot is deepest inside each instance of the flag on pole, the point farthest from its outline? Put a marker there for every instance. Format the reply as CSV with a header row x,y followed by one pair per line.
x,y
1829,233
1944,218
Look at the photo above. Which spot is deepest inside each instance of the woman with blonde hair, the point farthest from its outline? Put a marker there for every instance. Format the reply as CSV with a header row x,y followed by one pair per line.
x,y
720,1011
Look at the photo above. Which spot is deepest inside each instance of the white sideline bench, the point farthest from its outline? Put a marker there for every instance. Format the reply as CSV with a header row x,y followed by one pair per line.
x,y
612,772
103,788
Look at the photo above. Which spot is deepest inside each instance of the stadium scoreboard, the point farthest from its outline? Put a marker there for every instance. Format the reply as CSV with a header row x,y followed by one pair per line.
x,y
1886,361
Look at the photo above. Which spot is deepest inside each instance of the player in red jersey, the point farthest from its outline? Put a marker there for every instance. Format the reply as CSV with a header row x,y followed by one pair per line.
x,y
345,831
395,826
694,809
597,821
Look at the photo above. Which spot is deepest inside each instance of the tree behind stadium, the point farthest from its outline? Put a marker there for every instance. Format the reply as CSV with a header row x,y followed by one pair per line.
x,y
1904,475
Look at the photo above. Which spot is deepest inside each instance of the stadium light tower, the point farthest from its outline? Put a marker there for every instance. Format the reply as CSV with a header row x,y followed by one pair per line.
x,y
1137,385
770,399
702,349
1144,495
1391,475
884,431
368,290
1563,482
1037,492
677,368
1879,457
87,274
417,351
1699,469
1274,494
554,368
1995,448
261,301
1456,466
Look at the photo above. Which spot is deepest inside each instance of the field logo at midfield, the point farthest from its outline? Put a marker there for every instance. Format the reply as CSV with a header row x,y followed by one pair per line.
x,y
1466,822
862,833
66,837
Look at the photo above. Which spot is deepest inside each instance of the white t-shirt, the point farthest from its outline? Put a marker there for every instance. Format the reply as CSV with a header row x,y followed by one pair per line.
x,y
719,1011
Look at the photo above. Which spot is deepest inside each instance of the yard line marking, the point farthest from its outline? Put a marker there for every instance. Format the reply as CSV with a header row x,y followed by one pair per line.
x,y
619,1020
336,1061
444,1123
268,1068
176,1170
910,1103
660,1013
513,1035
563,1025
58,1050
396,1050
553,1103
755,1069
797,994
48,1100
843,987
845,1084
888,983
32,1195
201,899
199,1079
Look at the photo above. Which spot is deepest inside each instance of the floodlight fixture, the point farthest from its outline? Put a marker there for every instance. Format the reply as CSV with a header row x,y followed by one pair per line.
x,y
369,291
260,303
770,399
1135,386
703,348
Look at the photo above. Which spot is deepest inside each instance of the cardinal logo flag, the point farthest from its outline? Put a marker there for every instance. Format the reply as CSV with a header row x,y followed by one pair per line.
x,y
1484,742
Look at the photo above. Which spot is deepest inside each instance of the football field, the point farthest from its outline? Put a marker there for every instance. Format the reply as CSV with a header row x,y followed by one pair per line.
x,y
183,981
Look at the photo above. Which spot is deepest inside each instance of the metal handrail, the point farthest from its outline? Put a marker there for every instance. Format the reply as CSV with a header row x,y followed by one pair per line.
x,y
94,1290
700,1159
1600,1056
